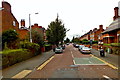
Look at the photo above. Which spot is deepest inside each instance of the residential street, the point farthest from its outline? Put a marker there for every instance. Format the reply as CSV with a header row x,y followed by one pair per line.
x,y
72,64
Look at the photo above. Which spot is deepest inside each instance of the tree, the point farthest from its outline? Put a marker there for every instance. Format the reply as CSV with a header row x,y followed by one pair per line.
x,y
67,40
73,39
37,36
56,32
9,37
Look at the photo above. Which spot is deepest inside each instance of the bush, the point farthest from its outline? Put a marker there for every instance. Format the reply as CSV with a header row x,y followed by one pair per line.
x,y
107,44
10,57
85,42
95,42
33,47
115,44
9,36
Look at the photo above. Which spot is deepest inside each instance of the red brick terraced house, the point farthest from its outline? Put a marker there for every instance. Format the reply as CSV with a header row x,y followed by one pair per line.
x,y
93,34
112,33
8,21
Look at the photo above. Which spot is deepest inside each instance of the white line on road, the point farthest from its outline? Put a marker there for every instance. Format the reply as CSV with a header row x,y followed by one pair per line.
x,y
72,55
90,62
107,77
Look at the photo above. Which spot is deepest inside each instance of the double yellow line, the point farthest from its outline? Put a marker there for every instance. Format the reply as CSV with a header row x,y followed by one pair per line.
x,y
45,63
105,62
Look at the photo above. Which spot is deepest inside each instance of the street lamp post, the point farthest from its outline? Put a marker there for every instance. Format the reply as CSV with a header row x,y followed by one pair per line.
x,y
30,28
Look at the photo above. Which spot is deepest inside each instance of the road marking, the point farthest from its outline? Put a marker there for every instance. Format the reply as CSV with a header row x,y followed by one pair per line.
x,y
72,54
90,62
74,62
107,77
45,63
105,62
22,74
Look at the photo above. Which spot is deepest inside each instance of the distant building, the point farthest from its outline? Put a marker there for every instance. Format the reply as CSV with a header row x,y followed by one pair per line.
x,y
112,33
93,34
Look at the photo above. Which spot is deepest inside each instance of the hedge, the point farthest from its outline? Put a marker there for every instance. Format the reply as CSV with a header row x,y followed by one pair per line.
x,y
10,57
33,47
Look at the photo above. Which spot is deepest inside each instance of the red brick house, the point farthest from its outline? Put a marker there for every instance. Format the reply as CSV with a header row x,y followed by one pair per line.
x,y
93,34
8,21
112,33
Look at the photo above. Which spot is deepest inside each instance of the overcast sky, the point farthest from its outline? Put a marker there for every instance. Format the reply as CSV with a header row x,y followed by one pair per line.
x,y
79,16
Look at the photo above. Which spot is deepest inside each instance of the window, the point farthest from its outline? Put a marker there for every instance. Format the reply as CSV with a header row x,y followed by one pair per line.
x,y
14,23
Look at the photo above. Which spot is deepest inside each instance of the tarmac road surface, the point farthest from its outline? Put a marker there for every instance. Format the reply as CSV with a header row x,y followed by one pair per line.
x,y
73,64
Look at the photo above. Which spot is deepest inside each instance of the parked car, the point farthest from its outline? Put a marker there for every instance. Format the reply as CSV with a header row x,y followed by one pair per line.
x,y
58,50
80,47
63,46
77,46
85,50
67,43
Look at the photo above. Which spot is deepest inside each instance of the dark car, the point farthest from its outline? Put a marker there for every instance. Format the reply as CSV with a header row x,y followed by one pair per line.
x,y
63,46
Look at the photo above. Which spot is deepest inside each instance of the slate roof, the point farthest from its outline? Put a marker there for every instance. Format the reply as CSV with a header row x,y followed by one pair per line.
x,y
113,26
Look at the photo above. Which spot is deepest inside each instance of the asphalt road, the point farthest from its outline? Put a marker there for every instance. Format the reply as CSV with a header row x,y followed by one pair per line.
x,y
73,64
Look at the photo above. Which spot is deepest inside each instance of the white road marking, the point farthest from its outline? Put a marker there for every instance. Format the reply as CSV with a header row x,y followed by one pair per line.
x,y
90,62
107,77
72,54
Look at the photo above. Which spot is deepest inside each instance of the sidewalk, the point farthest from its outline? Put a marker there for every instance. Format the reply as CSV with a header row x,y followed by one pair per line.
x,y
110,58
29,64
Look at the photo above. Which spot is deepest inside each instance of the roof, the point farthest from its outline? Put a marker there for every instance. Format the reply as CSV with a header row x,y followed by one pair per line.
x,y
113,26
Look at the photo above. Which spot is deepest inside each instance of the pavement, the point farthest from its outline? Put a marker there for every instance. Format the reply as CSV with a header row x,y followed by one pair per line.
x,y
110,58
33,64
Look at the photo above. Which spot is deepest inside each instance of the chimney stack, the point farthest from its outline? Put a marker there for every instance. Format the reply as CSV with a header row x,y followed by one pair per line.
x,y
22,23
6,6
116,13
100,27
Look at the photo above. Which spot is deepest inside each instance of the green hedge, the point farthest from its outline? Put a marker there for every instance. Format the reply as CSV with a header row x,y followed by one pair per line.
x,y
10,57
33,47
115,44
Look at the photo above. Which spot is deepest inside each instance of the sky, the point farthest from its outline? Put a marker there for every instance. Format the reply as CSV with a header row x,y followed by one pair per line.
x,y
79,16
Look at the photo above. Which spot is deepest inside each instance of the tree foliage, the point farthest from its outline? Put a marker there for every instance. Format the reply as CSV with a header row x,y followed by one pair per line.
x,y
9,37
37,36
56,32
67,40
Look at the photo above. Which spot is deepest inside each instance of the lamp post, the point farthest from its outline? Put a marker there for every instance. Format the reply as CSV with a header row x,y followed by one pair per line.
x,y
30,28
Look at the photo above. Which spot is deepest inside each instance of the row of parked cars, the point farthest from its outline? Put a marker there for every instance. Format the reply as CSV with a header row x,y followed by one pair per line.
x,y
82,48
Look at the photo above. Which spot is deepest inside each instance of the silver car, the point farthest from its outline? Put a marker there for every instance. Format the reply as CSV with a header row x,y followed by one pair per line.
x,y
80,47
58,50
86,50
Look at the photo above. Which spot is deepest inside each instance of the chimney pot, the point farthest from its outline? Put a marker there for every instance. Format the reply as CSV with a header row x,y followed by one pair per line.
x,y
116,13
22,22
100,26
